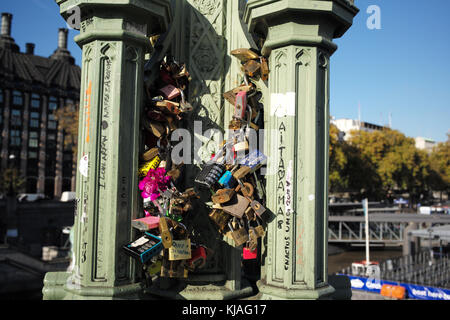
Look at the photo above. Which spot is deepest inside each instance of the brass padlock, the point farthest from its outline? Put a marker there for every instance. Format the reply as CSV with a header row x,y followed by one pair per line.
x,y
241,172
166,235
259,229
222,195
169,106
264,69
173,268
220,218
156,128
244,54
239,235
150,154
252,243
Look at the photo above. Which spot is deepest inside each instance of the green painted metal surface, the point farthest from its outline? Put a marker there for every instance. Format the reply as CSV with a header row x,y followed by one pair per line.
x,y
299,40
113,38
299,44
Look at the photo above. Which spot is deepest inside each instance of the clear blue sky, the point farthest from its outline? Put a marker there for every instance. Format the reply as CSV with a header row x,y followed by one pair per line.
x,y
402,69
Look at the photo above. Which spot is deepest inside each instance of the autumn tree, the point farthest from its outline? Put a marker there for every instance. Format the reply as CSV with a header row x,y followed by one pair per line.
x,y
11,181
390,161
440,166
67,118
338,161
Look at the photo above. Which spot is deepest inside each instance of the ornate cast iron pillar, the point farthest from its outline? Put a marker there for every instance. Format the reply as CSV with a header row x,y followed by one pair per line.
x,y
299,38
114,39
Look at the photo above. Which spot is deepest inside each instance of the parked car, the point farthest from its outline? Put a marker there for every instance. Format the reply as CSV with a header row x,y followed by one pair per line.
x,y
68,196
30,197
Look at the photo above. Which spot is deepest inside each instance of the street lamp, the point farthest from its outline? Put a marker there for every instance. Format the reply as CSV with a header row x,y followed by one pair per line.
x,y
11,157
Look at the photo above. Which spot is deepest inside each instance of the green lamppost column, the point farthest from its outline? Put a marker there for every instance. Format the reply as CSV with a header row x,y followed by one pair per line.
x,y
114,39
299,41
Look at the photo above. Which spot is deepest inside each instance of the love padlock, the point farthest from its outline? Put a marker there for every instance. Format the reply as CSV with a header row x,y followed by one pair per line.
x,y
166,235
222,196
239,235
236,206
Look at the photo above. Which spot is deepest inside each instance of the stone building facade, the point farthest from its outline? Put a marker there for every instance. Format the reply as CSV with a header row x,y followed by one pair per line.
x,y
31,89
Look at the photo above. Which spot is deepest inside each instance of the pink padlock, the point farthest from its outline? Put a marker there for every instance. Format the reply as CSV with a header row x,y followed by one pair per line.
x,y
170,92
240,105
248,255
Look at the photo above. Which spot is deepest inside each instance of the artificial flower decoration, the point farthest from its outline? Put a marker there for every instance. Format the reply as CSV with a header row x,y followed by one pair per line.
x,y
155,181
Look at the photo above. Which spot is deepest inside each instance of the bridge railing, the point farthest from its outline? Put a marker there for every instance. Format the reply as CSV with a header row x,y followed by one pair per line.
x,y
425,268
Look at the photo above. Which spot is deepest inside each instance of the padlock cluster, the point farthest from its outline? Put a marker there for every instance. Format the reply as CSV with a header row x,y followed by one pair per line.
x,y
233,173
163,245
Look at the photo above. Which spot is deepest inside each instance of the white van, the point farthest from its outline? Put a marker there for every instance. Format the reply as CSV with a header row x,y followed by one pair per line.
x,y
68,196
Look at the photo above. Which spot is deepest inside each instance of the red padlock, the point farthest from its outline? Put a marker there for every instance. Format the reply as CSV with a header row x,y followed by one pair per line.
x,y
249,255
198,259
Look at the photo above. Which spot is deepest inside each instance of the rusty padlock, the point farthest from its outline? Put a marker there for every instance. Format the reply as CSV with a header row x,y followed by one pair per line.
x,y
264,69
245,188
251,68
222,196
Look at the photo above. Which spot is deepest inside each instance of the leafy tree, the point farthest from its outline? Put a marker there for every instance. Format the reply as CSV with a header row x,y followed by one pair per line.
x,y
338,161
11,180
440,166
388,161
67,118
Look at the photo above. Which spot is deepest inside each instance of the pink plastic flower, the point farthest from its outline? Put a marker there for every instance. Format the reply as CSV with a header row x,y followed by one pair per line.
x,y
155,181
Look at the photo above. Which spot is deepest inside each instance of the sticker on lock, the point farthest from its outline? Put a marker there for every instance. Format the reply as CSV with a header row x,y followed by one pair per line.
x,y
180,250
145,168
254,160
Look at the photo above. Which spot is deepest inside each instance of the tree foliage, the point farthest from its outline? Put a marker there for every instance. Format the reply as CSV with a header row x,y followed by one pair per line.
x,y
378,163
67,118
11,180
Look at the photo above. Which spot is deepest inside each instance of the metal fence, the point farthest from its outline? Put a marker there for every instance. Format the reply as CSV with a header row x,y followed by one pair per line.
x,y
424,268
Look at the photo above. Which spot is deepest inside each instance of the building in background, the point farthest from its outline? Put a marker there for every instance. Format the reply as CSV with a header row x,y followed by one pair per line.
x,y
347,125
425,144
31,89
